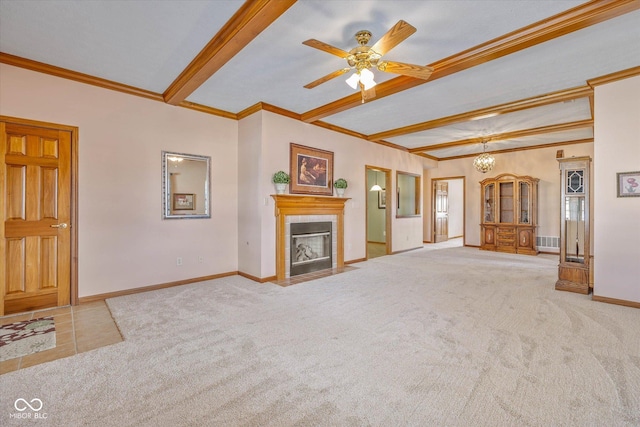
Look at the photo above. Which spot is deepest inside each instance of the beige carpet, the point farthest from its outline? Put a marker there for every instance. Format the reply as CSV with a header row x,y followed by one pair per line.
x,y
451,337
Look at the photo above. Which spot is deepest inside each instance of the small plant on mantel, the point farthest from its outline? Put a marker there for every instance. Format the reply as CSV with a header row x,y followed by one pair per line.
x,y
340,183
281,179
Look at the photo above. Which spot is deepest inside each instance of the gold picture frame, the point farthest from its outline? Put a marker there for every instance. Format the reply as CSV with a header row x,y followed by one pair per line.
x,y
382,199
311,171
628,184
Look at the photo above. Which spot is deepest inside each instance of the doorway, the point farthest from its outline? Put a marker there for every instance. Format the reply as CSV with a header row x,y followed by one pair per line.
x,y
448,199
378,220
38,209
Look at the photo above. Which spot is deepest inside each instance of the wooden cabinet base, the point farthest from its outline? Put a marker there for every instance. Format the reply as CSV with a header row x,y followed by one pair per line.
x,y
573,278
528,251
579,288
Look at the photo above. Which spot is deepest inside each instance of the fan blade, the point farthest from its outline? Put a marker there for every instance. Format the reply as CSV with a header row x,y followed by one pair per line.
x,y
326,48
410,70
327,78
393,37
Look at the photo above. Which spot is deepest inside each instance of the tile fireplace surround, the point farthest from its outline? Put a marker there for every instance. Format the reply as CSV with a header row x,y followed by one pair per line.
x,y
290,208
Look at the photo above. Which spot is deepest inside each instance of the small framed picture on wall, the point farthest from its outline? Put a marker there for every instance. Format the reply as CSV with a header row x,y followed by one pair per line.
x,y
628,184
184,201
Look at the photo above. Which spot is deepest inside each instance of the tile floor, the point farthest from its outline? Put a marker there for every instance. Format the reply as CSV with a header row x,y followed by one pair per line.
x,y
79,328
301,278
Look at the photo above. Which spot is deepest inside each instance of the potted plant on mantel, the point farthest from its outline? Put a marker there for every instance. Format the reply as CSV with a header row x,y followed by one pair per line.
x,y
281,179
340,185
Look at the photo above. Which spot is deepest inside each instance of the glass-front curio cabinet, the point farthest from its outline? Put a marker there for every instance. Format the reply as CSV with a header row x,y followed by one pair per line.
x,y
573,269
509,214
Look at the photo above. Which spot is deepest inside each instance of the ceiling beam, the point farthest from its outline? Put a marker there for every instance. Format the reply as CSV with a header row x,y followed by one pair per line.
x,y
575,19
510,107
507,135
511,150
249,21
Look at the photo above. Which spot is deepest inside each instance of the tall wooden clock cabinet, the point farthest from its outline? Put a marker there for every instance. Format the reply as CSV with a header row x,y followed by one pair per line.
x,y
575,250
509,214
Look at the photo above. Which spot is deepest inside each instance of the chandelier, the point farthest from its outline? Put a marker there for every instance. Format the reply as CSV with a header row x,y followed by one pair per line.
x,y
485,161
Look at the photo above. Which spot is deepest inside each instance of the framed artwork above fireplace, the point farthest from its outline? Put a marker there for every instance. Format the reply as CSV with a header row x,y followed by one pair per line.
x,y
311,171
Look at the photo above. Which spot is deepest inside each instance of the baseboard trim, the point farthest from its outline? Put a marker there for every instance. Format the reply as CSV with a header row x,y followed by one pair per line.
x,y
471,246
257,279
355,261
102,297
632,304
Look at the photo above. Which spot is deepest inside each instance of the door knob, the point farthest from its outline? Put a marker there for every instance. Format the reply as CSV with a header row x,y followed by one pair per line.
x,y
62,225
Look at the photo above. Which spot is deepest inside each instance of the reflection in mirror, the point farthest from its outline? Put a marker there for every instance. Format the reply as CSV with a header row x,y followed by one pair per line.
x,y
185,186
574,229
408,194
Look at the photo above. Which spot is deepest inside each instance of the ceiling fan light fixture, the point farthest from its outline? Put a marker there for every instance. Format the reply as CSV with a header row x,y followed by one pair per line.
x,y
366,78
353,80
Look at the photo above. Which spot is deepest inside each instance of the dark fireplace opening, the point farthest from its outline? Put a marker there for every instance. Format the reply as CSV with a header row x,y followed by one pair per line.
x,y
310,247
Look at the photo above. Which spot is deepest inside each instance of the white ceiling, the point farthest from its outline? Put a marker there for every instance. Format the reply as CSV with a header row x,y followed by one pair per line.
x,y
147,44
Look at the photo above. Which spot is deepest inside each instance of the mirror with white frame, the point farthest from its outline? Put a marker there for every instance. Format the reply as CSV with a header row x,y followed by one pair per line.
x,y
185,186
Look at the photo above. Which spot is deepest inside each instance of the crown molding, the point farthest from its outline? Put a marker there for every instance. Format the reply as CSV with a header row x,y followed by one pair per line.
x,y
41,67
613,77
208,110
52,70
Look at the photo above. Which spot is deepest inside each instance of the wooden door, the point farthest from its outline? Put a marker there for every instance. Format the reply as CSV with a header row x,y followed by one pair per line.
x,y
35,238
441,231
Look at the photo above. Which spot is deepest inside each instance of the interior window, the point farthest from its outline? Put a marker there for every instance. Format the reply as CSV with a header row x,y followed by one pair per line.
x,y
407,194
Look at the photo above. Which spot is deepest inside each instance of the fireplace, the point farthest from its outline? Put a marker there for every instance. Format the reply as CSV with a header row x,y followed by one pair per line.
x,y
292,209
311,247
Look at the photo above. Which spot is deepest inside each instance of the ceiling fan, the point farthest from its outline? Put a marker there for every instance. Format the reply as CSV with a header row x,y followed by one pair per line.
x,y
363,57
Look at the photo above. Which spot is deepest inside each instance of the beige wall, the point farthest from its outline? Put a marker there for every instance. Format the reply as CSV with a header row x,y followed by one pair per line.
x,y
250,195
616,220
540,163
123,241
350,157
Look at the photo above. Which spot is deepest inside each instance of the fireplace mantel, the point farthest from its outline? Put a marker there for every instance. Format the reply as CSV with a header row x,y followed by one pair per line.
x,y
286,204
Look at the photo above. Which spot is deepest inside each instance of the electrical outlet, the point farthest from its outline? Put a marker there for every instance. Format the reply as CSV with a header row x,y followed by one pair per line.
x,y
179,261
200,259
